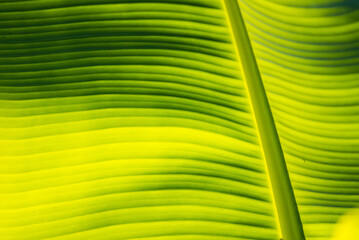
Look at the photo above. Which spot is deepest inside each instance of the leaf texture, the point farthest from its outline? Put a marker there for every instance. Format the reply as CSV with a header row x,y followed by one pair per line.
x,y
308,56
127,120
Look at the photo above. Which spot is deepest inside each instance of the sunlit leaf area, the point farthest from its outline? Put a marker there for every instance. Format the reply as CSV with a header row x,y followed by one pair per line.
x,y
136,119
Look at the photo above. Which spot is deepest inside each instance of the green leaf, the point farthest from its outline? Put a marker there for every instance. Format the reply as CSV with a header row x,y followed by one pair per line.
x,y
131,120
307,54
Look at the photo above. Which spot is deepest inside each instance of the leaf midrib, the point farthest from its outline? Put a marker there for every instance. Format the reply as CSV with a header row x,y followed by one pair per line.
x,y
286,206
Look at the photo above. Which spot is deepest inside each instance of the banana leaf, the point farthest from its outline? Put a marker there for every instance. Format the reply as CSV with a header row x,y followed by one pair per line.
x,y
178,119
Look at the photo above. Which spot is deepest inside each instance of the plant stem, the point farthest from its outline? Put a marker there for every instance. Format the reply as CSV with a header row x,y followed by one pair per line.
x,y
287,209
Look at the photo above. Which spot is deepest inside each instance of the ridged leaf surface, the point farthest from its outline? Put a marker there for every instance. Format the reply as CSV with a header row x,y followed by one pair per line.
x,y
132,120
